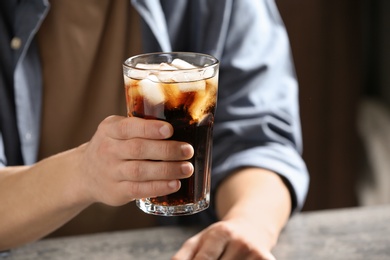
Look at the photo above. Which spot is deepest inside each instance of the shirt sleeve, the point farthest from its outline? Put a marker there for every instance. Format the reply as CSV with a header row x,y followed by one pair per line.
x,y
257,120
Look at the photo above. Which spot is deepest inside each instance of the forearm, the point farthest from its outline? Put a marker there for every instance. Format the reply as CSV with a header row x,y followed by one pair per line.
x,y
42,198
257,196
127,158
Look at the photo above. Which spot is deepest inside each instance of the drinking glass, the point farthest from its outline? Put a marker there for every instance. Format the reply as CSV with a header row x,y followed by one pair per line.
x,y
180,88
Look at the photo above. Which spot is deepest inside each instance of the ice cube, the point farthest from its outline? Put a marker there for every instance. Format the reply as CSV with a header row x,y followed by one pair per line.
x,y
164,76
148,66
189,81
181,64
195,86
138,74
212,82
152,90
179,76
203,101
208,73
160,70
165,72
166,66
155,66
187,76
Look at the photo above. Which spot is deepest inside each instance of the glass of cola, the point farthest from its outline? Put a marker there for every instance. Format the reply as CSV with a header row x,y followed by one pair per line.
x,y
180,88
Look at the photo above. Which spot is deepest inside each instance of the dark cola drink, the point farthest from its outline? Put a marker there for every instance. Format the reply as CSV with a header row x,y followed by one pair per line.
x,y
180,88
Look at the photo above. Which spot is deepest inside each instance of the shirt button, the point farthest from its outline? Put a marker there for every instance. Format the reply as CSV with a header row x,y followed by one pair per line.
x,y
16,43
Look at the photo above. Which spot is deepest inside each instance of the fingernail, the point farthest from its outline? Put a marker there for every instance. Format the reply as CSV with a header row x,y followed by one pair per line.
x,y
187,168
165,131
175,184
187,150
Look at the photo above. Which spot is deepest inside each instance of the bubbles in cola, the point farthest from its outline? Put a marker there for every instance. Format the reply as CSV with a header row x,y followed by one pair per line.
x,y
185,96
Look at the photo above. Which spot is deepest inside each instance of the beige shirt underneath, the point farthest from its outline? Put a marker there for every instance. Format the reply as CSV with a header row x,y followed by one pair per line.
x,y
82,46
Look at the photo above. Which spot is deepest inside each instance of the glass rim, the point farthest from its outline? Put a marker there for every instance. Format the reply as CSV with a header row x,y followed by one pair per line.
x,y
215,61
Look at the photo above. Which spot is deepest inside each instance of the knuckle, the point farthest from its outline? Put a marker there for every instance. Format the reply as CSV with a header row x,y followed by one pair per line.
x,y
136,149
135,190
139,127
191,242
106,122
135,170
144,128
242,246
165,169
123,128
164,149
155,187
104,148
168,150
145,189
224,230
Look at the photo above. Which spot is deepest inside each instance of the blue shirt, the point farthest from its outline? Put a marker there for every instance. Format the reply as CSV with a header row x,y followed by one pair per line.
x,y
257,119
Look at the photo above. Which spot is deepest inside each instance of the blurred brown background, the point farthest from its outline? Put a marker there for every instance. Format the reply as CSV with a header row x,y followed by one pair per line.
x,y
340,48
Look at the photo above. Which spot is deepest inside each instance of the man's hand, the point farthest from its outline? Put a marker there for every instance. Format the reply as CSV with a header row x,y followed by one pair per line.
x,y
232,239
253,205
128,158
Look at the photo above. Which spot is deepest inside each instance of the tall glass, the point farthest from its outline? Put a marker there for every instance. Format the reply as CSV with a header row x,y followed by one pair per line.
x,y
180,88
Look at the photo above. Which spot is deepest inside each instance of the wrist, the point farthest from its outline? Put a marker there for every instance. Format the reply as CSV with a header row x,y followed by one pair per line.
x,y
79,187
64,174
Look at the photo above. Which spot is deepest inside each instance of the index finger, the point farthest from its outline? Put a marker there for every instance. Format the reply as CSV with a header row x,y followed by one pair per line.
x,y
119,127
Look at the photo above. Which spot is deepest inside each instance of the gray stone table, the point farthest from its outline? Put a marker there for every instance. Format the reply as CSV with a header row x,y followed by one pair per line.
x,y
353,233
